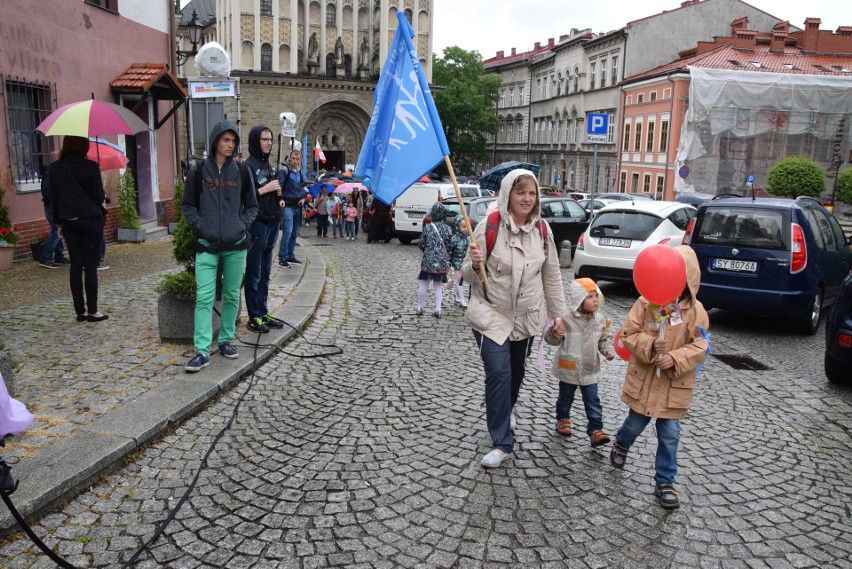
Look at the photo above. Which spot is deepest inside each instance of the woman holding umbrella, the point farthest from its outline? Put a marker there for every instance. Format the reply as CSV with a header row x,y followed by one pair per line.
x,y
76,198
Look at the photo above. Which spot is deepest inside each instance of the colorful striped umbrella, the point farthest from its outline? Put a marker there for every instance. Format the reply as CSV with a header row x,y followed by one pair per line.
x,y
91,118
109,156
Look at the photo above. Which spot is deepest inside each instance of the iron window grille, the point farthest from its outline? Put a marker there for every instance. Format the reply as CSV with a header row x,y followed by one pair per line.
x,y
26,105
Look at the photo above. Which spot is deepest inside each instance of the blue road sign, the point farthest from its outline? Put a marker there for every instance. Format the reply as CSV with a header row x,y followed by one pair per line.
x,y
750,179
597,128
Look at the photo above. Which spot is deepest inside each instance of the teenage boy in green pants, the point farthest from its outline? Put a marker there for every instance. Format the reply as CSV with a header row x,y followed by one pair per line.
x,y
220,203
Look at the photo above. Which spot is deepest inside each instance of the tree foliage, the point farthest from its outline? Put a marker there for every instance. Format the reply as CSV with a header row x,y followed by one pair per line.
x,y
128,217
181,284
466,99
844,186
796,176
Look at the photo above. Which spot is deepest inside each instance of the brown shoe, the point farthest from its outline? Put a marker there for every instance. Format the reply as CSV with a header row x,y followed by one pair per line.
x,y
599,438
563,427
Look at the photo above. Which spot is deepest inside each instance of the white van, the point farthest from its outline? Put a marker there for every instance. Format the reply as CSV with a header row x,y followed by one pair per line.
x,y
414,204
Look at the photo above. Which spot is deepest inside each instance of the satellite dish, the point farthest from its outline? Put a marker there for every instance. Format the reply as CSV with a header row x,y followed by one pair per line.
x,y
213,60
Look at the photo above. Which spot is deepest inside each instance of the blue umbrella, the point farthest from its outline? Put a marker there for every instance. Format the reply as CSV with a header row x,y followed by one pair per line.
x,y
491,179
317,188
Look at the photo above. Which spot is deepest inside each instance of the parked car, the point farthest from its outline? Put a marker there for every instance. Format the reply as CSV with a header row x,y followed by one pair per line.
x,y
770,257
586,204
838,336
414,204
624,196
623,229
694,198
567,220
478,209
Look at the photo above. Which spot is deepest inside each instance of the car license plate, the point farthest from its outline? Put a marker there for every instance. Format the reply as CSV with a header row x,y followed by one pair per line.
x,y
611,242
735,265
416,215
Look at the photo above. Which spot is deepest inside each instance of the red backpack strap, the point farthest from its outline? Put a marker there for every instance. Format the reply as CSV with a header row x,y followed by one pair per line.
x,y
492,227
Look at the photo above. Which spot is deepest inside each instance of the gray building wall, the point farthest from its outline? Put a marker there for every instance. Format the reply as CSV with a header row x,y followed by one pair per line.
x,y
657,39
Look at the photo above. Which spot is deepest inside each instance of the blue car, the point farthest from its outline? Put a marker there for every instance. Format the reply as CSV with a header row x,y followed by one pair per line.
x,y
770,257
838,336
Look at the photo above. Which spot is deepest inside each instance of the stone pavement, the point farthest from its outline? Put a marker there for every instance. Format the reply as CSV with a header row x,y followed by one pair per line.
x,y
100,390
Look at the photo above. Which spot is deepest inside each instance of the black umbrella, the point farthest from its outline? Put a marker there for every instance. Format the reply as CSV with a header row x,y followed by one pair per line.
x,y
491,179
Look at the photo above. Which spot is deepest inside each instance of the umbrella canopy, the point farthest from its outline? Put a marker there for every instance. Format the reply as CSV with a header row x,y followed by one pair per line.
x,y
348,188
492,178
109,156
317,188
91,118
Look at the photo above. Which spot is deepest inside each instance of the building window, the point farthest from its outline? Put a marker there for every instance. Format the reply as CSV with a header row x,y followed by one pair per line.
x,y
576,79
614,70
331,16
649,146
511,96
592,76
667,93
408,15
265,7
637,139
521,96
266,57
509,138
111,5
622,185
625,143
661,180
640,98
520,130
634,180
603,73
646,187
664,136
502,136
502,97
538,87
27,104
610,133
653,95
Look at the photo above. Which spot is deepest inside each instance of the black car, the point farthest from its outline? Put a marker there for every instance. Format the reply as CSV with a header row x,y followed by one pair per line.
x,y
567,219
838,336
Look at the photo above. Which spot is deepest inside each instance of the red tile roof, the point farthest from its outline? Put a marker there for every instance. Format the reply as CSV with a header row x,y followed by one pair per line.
x,y
757,58
142,77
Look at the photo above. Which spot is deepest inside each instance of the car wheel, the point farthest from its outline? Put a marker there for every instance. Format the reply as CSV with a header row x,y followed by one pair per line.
x,y
834,369
405,239
809,322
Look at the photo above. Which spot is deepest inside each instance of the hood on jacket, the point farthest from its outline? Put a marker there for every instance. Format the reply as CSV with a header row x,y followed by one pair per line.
x,y
254,143
218,130
438,212
506,189
578,290
693,270
458,224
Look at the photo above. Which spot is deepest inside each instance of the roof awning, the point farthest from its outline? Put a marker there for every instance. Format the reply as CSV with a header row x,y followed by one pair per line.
x,y
150,81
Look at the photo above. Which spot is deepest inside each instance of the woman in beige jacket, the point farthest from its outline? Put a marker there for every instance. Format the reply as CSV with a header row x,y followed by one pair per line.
x,y
526,286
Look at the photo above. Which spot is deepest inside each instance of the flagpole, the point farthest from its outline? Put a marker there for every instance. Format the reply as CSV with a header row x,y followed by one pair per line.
x,y
482,274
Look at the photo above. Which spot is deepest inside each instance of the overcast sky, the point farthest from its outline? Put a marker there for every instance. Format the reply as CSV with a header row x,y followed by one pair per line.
x,y
489,26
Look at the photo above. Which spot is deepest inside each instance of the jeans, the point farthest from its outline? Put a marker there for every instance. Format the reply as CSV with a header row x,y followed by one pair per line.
x,y
53,249
591,401
289,216
668,436
335,223
259,266
206,269
350,228
505,366
322,225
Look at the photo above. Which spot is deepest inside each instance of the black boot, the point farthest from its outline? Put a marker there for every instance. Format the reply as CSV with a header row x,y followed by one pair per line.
x,y
667,495
618,455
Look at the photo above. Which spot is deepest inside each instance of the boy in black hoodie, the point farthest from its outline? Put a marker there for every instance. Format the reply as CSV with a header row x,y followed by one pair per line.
x,y
220,203
264,230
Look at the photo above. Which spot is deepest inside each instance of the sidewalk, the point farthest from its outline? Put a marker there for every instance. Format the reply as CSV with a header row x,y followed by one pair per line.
x,y
100,390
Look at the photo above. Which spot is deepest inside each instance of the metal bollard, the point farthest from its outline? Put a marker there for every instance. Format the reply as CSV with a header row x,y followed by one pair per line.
x,y
565,255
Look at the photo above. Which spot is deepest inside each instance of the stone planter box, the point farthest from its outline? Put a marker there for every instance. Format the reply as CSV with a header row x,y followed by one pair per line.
x,y
7,258
37,249
176,318
172,227
131,235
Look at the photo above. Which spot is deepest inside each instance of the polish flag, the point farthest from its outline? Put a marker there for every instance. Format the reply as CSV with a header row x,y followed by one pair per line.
x,y
318,153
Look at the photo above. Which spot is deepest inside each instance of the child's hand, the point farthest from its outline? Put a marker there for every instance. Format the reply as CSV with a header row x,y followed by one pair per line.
x,y
558,329
660,346
665,361
609,355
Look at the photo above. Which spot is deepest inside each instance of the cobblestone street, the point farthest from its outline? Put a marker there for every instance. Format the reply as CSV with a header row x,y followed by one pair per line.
x,y
370,459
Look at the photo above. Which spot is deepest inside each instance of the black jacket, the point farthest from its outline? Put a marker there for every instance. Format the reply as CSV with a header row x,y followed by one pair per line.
x,y
262,172
222,204
76,189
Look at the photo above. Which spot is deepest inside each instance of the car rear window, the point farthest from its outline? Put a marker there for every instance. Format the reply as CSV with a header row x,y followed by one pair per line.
x,y
743,227
624,224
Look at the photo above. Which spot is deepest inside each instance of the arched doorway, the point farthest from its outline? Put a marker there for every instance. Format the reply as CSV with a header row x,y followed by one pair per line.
x,y
340,126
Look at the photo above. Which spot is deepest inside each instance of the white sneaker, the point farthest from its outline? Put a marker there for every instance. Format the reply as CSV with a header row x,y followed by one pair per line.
x,y
513,422
495,458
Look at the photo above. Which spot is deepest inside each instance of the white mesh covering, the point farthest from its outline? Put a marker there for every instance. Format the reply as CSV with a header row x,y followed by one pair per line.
x,y
739,123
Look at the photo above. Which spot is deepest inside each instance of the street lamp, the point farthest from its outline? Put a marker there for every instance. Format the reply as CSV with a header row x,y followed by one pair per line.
x,y
193,28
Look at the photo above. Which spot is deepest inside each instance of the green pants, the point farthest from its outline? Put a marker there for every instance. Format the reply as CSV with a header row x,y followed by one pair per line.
x,y
206,265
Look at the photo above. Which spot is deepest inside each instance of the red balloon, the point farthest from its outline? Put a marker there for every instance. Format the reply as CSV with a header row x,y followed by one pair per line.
x,y
620,348
659,274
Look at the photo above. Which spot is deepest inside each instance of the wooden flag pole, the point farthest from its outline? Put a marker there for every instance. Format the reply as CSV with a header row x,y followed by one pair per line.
x,y
482,275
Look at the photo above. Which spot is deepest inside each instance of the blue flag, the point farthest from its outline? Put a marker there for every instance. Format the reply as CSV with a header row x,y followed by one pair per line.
x,y
405,139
